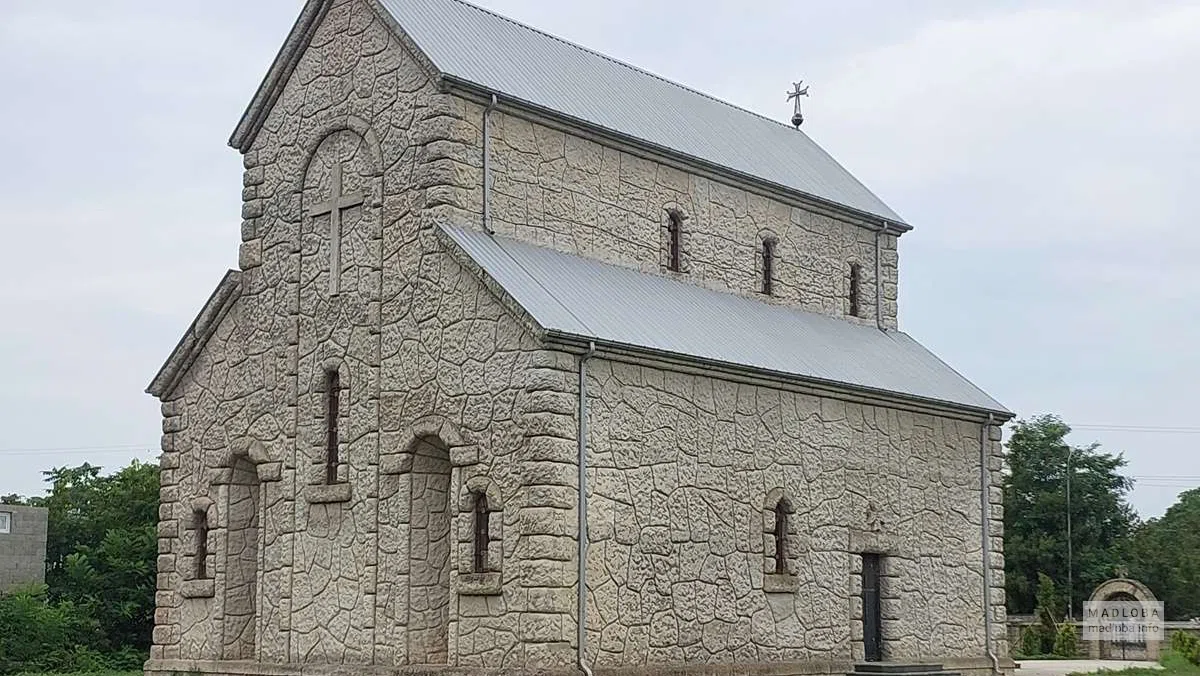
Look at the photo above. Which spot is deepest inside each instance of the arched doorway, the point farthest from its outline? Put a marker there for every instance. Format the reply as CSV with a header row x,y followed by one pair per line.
x,y
429,549
240,624
1123,620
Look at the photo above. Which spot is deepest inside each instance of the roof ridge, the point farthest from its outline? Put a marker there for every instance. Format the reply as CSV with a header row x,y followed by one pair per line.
x,y
619,62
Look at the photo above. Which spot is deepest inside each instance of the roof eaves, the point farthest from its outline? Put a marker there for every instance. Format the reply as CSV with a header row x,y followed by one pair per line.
x,y
201,329
895,225
577,342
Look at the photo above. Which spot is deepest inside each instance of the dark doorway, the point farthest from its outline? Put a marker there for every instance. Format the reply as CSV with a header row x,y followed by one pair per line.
x,y
872,614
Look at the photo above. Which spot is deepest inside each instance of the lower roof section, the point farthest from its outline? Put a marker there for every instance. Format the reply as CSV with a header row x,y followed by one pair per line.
x,y
575,296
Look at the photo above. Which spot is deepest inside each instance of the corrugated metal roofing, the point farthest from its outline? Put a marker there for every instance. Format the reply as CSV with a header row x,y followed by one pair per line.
x,y
595,300
472,44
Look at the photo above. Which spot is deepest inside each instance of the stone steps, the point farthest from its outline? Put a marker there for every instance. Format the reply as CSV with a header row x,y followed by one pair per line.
x,y
899,669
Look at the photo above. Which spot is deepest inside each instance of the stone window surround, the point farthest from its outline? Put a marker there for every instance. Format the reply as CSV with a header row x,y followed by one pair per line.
x,y
6,519
320,489
854,295
197,587
489,582
764,238
674,213
774,582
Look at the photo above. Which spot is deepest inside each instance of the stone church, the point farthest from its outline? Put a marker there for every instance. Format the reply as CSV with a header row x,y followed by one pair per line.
x,y
536,362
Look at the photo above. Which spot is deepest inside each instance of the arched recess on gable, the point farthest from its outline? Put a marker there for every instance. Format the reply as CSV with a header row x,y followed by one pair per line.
x,y
347,123
339,198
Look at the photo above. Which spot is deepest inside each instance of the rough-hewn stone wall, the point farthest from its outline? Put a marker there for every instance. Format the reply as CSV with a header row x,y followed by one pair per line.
x,y
685,471
577,195
422,351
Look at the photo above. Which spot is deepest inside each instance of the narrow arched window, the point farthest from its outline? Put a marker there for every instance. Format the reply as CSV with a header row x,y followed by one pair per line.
x,y
855,288
479,544
674,241
200,531
781,533
333,390
768,266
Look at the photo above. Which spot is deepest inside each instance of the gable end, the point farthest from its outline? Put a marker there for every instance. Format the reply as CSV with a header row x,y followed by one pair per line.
x,y
202,328
288,58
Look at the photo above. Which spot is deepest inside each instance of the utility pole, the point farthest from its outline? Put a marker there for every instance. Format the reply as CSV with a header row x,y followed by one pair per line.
x,y
1070,553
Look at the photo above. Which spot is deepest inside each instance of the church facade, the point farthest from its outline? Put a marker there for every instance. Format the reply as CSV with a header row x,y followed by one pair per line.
x,y
505,305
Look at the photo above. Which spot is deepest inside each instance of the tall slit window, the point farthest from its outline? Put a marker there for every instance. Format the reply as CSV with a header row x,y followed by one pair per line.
x,y
781,532
855,289
333,390
768,266
481,535
674,241
200,526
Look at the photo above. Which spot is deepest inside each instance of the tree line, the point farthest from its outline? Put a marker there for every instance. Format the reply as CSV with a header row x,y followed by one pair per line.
x,y
95,611
1107,539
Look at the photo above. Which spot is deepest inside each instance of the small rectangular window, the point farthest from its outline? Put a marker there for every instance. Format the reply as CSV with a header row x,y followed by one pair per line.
x,y
482,534
855,289
200,518
768,267
5,522
674,243
333,386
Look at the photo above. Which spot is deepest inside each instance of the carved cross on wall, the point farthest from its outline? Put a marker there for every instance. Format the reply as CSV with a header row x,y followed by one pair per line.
x,y
334,207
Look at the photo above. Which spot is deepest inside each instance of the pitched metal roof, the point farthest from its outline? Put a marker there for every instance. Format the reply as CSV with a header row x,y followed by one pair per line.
x,y
576,296
473,45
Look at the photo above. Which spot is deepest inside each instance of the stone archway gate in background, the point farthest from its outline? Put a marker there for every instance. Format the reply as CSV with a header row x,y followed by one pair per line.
x,y
1122,620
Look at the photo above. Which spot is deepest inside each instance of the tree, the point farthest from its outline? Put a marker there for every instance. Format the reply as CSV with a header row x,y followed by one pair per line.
x,y
1165,555
101,546
97,607
1035,509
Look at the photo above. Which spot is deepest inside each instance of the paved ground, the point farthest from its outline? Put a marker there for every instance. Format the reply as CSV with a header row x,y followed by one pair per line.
x,y
1064,667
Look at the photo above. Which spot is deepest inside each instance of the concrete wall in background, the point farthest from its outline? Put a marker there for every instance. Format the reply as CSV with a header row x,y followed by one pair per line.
x,y
22,545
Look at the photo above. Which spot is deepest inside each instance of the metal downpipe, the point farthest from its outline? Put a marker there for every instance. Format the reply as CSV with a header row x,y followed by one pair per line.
x,y
985,485
582,507
487,167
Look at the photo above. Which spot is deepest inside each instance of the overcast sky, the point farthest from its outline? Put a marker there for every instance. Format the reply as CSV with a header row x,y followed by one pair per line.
x,y
1044,152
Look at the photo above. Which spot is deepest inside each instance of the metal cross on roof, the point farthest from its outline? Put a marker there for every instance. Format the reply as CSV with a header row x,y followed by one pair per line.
x,y
796,93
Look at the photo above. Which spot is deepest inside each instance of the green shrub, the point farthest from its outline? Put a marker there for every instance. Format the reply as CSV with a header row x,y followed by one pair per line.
x,y
1066,640
37,634
1187,645
1033,641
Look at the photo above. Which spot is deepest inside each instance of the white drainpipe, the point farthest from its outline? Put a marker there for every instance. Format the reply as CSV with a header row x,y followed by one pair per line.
x,y
581,615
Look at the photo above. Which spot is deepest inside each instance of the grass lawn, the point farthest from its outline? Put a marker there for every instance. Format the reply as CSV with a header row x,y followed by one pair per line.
x,y
1173,663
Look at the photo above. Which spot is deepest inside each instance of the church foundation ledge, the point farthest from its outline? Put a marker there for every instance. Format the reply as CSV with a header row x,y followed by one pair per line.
x,y
966,666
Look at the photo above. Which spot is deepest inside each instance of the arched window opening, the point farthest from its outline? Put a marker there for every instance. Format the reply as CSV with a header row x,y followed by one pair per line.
x,y
482,534
781,532
333,388
768,266
674,241
200,528
855,288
